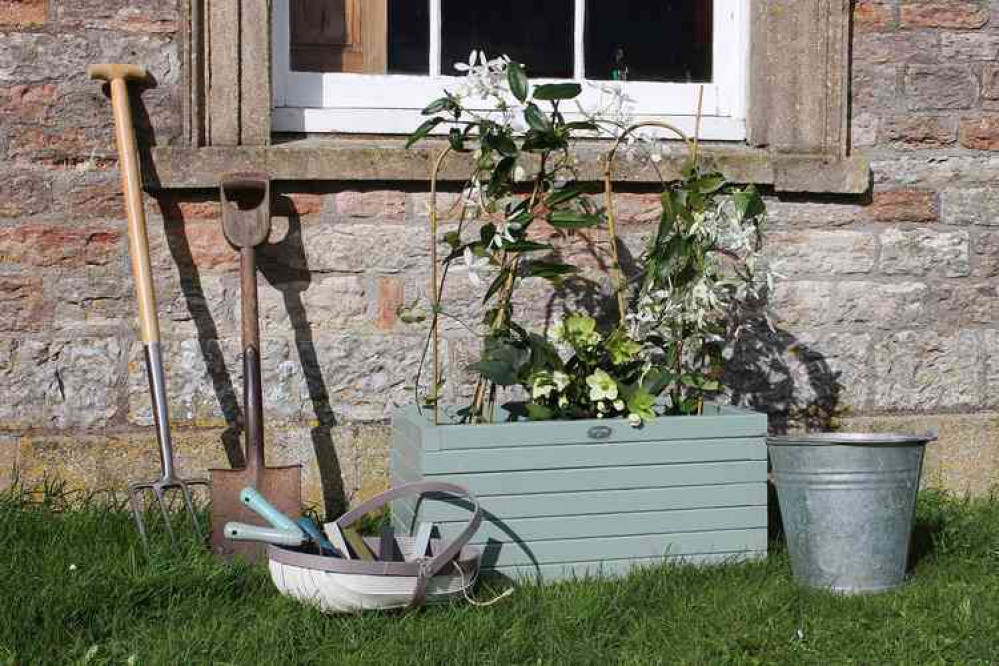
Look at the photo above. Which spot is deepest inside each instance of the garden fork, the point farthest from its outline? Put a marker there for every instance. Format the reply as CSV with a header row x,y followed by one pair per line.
x,y
128,161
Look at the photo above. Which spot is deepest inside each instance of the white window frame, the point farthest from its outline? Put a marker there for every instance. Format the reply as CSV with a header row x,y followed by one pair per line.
x,y
391,103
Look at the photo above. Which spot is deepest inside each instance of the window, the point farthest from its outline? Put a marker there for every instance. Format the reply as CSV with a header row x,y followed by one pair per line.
x,y
368,66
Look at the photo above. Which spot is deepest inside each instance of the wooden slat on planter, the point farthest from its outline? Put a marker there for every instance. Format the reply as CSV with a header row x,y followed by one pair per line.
x,y
564,570
608,501
561,498
607,525
594,454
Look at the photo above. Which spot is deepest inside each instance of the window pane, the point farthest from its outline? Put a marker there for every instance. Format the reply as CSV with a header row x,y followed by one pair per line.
x,y
535,32
409,37
649,40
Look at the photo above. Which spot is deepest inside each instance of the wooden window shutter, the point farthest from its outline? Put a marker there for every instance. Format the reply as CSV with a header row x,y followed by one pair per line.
x,y
339,36
799,94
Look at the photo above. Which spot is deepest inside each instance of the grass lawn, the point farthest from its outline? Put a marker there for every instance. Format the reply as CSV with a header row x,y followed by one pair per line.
x,y
76,587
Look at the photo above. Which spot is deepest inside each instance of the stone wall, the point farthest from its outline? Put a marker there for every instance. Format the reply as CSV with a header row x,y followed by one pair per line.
x,y
885,315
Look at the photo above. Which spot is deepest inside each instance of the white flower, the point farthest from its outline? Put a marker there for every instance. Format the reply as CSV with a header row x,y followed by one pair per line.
x,y
634,420
474,264
542,386
602,386
619,405
519,174
563,401
602,407
72,567
561,380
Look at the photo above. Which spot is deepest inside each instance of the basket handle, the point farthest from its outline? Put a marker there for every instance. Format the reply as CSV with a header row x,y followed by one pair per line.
x,y
449,552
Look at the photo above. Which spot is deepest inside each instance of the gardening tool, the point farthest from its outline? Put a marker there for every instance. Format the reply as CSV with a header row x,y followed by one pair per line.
x,y
246,222
275,535
118,76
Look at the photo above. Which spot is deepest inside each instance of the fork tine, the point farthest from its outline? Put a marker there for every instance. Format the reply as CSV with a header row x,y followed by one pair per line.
x,y
189,504
160,500
133,496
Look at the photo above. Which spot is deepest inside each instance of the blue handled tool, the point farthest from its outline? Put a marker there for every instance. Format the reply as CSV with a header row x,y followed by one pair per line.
x,y
259,505
317,537
243,532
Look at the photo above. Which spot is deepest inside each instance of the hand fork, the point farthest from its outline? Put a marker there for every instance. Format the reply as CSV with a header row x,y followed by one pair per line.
x,y
128,162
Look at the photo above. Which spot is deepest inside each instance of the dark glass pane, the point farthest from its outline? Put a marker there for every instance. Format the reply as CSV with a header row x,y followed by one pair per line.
x,y
649,40
535,32
409,37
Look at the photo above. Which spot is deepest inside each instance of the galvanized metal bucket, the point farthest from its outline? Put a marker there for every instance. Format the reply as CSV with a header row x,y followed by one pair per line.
x,y
848,501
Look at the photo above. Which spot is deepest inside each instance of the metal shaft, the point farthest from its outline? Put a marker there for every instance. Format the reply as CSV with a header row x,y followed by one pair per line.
x,y
252,390
161,415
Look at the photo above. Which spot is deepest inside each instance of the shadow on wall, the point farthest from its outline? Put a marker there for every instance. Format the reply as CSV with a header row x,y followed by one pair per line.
x,y
291,282
760,375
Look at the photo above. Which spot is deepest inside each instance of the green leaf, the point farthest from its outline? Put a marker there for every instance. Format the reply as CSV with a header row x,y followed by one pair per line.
x,y
453,239
709,184
556,91
641,403
537,412
526,246
423,130
502,177
535,141
570,219
496,285
456,139
536,119
501,362
582,126
437,106
517,78
563,195
748,203
549,269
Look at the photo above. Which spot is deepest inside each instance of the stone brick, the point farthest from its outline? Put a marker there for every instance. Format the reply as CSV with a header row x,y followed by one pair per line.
x,y
965,457
935,171
919,131
391,297
208,246
986,247
964,304
357,248
23,12
971,205
93,194
926,370
332,302
904,206
48,245
27,58
990,81
9,459
387,205
90,304
955,14
924,252
806,304
930,87
873,16
980,133
808,253
59,383
875,88
969,46
637,208
796,214
299,203
23,307
864,130
24,192
27,103
897,48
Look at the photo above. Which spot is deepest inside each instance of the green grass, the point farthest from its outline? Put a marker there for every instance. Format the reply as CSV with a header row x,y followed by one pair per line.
x,y
170,607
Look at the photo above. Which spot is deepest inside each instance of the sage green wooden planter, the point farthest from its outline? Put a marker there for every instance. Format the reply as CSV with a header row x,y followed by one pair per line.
x,y
593,497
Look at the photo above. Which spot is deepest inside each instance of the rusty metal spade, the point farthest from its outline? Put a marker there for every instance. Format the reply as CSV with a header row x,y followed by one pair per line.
x,y
246,222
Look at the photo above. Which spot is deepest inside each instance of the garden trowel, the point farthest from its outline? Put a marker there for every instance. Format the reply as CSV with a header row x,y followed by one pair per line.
x,y
246,222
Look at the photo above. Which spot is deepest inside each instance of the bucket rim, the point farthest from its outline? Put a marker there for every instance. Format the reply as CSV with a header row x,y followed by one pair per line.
x,y
852,438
